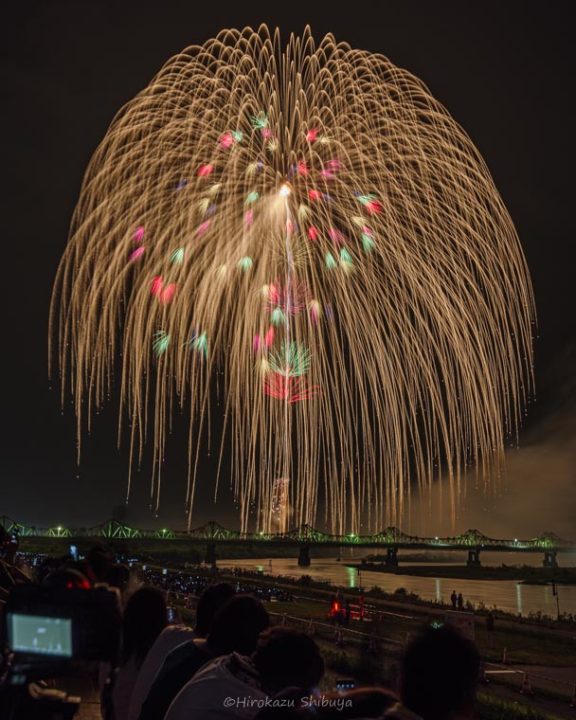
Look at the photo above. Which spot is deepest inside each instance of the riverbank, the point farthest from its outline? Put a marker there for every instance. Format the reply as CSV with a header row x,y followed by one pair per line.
x,y
525,574
368,650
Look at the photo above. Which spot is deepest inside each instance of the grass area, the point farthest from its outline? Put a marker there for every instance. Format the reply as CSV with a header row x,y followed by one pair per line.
x,y
493,708
522,648
527,648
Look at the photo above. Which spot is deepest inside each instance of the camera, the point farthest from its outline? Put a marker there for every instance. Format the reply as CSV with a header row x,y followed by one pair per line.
x,y
55,626
50,632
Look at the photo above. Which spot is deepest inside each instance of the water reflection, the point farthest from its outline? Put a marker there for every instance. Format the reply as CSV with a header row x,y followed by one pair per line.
x,y
352,572
519,606
507,595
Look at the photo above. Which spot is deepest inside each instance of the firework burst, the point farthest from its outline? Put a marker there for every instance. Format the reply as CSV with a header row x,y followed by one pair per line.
x,y
308,222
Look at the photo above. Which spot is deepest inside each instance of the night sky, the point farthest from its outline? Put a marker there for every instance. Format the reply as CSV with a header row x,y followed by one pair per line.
x,y
504,70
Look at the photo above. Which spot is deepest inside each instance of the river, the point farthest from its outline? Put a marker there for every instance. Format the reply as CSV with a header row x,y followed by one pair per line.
x,y
507,595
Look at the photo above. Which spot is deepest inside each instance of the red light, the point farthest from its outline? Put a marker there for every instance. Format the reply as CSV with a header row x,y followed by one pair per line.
x,y
168,293
374,207
226,141
291,389
157,284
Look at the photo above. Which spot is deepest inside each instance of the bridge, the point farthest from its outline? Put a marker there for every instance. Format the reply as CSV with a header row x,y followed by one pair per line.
x,y
305,537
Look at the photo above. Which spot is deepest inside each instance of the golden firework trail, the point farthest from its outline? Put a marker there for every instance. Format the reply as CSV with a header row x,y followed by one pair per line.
x,y
305,233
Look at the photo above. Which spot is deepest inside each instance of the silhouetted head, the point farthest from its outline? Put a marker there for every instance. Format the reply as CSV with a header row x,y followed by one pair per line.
x,y
211,600
8,545
237,625
99,560
144,619
117,575
4,536
67,578
287,658
439,674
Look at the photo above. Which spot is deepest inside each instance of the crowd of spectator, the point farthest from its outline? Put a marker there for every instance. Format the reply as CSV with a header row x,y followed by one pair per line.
x,y
233,664
186,583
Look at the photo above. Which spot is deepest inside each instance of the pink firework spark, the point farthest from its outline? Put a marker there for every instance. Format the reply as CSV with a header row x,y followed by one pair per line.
x,y
291,299
226,141
202,228
314,310
136,254
336,236
269,337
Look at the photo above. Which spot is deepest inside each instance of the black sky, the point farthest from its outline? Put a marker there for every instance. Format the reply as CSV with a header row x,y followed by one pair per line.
x,y
505,71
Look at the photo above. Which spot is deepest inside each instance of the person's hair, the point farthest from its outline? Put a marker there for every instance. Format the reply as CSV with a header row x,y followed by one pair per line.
x,y
211,600
287,658
117,575
439,674
99,560
144,619
237,625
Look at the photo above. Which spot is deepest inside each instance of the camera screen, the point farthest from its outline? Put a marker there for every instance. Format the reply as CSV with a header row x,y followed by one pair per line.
x,y
40,635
